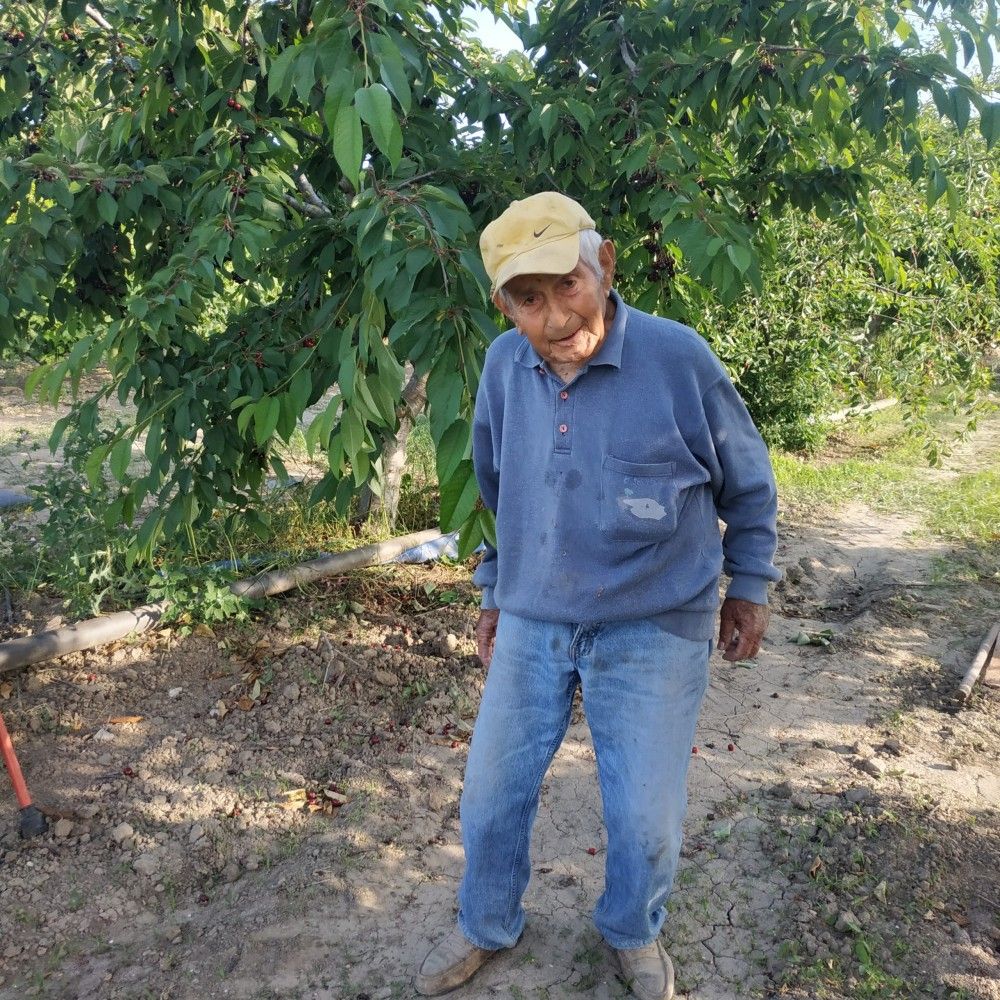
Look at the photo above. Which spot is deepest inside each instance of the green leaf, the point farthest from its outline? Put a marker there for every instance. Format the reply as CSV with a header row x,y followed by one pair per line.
x,y
352,430
347,146
375,107
156,173
31,382
93,463
960,108
338,94
107,207
305,74
936,186
392,71
265,419
458,496
121,455
547,120
42,224
471,536
243,419
451,449
740,256
278,82
488,521
989,124
301,389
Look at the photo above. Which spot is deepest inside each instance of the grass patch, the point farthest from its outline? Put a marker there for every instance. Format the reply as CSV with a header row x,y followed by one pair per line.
x,y
968,509
808,484
880,465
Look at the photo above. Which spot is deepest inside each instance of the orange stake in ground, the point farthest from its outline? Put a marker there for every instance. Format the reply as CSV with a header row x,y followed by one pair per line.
x,y
32,821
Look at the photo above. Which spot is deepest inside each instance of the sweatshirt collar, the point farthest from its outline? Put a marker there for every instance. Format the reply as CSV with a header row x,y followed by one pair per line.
x,y
610,352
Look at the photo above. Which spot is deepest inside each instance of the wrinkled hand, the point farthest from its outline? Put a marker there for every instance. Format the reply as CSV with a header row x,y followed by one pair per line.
x,y
742,628
486,632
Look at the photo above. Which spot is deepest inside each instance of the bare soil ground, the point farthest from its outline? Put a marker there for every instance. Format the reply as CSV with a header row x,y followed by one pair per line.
x,y
272,811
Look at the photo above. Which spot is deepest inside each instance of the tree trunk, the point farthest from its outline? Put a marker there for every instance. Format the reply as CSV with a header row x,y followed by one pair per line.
x,y
414,400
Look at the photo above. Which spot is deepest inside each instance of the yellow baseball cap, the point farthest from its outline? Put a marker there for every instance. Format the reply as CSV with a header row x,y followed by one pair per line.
x,y
536,235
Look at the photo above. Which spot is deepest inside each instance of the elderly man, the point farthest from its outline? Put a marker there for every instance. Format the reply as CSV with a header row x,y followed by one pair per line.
x,y
609,442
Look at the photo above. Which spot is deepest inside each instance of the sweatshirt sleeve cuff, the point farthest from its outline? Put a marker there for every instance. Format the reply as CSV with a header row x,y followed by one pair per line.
x,y
488,602
748,588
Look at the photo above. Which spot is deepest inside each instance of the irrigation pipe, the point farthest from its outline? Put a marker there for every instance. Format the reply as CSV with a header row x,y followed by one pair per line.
x,y
982,657
9,500
279,580
99,631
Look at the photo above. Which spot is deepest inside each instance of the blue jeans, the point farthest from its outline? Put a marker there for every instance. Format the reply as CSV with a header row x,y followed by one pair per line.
x,y
642,689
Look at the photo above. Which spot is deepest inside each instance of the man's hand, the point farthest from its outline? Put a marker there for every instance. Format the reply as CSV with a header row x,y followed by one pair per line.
x,y
741,628
486,632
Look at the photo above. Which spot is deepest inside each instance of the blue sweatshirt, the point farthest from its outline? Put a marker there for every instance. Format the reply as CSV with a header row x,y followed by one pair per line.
x,y
608,489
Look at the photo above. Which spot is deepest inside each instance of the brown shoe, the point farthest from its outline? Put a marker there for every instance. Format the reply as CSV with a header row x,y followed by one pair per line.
x,y
449,964
647,971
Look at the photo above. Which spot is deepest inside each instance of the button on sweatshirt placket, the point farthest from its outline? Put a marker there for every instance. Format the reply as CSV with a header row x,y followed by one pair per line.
x,y
564,421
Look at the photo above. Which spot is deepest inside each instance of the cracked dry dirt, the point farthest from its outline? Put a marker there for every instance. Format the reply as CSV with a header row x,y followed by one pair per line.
x,y
842,838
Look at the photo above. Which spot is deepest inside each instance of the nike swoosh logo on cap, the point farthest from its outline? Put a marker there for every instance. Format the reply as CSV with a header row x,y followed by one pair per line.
x,y
540,231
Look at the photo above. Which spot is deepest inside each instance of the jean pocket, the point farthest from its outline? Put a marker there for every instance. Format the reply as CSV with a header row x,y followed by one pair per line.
x,y
638,500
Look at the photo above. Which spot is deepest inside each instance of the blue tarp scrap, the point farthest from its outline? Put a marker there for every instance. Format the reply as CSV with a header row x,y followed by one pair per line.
x,y
445,547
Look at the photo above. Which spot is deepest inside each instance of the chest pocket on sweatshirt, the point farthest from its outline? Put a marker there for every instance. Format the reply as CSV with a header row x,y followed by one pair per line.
x,y
638,501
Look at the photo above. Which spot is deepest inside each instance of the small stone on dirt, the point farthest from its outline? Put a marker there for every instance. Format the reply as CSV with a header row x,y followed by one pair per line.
x,y
290,692
146,864
385,678
870,766
858,795
122,832
174,693
448,644
63,828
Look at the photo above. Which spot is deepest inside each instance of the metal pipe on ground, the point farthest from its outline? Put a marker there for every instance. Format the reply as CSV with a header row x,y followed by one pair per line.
x,y
986,650
99,631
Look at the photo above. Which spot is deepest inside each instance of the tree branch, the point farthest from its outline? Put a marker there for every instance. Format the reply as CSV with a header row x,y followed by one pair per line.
x,y
414,395
95,15
312,211
309,193
803,50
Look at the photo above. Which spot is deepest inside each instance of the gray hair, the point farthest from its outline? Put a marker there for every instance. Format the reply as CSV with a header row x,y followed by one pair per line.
x,y
590,246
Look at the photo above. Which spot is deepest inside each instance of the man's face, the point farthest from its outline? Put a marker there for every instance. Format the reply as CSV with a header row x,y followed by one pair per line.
x,y
564,316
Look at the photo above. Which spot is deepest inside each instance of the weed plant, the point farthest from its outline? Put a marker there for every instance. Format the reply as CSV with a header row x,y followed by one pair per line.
x,y
70,553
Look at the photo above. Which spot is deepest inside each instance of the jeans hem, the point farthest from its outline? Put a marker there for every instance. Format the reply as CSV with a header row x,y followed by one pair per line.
x,y
627,944
479,942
